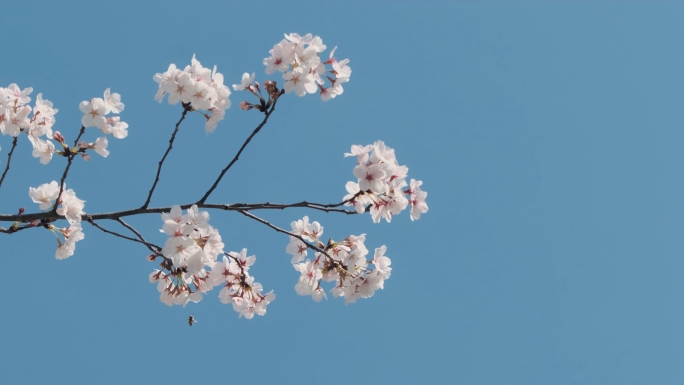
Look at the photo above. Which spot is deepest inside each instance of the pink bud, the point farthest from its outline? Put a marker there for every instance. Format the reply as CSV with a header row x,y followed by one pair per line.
x,y
151,257
58,137
113,119
245,106
21,210
83,144
85,156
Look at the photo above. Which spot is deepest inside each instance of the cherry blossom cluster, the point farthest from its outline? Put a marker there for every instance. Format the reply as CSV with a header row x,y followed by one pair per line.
x,y
380,184
197,87
95,114
298,57
193,247
343,262
239,287
70,207
15,119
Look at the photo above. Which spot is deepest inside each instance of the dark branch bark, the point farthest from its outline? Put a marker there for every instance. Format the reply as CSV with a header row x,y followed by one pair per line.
x,y
9,158
158,210
154,248
70,159
161,162
223,172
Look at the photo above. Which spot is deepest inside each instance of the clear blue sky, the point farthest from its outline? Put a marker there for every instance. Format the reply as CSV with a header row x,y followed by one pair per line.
x,y
548,136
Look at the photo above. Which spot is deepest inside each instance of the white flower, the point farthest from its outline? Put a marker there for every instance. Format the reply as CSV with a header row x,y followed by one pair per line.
x,y
44,194
100,146
42,149
246,82
113,102
93,113
73,234
71,207
300,81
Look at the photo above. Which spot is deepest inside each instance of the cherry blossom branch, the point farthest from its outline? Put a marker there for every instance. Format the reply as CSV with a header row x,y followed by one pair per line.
x,y
70,158
9,158
256,131
186,108
154,248
278,229
48,215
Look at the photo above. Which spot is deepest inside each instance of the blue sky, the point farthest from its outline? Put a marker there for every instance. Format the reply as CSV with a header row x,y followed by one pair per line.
x,y
548,137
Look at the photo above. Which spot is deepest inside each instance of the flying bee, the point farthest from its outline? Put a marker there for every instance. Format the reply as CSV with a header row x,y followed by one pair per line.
x,y
191,320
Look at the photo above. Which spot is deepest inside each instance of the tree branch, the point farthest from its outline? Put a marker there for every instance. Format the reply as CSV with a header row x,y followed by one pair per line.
x,y
256,131
154,248
278,229
9,158
70,159
49,215
161,162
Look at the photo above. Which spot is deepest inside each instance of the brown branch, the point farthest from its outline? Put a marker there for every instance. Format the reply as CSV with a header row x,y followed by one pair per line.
x,y
278,229
156,249
150,246
161,162
70,158
50,215
9,158
256,131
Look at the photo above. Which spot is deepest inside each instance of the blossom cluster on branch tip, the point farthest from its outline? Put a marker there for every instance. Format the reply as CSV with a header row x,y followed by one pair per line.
x,y
380,183
15,119
193,247
298,58
70,207
198,88
343,262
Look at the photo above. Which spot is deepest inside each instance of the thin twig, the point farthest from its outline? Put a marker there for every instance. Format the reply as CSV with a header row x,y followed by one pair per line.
x,y
9,158
161,162
278,229
156,249
70,159
149,245
223,172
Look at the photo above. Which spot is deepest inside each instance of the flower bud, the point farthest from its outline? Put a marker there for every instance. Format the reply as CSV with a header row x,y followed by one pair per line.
x,y
58,137
245,106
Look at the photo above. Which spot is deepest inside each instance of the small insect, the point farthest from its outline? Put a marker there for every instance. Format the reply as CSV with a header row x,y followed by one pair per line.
x,y
191,320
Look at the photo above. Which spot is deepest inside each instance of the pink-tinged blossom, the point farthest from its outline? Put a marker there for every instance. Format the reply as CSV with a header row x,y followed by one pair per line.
x,y
16,121
246,83
113,102
72,235
202,95
71,207
213,119
299,81
359,201
371,177
100,146
297,249
281,57
179,90
93,113
42,149
116,127
417,199
45,194
179,249
44,115
17,96
309,278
